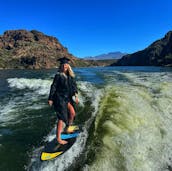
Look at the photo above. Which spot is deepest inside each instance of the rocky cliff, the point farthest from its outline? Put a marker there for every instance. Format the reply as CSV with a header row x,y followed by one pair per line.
x,y
32,49
158,53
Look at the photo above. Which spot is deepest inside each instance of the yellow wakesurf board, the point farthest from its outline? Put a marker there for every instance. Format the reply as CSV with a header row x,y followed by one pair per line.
x,y
53,149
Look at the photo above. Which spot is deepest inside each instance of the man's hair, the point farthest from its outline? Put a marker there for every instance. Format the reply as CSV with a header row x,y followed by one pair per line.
x,y
69,71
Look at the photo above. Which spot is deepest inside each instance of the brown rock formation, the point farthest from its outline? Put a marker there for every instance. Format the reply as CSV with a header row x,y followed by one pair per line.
x,y
159,53
31,49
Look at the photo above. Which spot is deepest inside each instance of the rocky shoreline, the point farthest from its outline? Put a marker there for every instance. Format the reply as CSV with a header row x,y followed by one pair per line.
x,y
22,49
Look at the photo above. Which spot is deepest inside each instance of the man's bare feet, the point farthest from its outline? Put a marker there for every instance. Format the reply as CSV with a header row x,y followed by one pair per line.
x,y
67,130
62,142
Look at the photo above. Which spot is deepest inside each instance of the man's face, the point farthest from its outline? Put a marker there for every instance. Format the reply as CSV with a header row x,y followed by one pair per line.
x,y
66,66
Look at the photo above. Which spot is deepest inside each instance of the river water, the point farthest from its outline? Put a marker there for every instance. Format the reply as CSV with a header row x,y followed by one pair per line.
x,y
125,114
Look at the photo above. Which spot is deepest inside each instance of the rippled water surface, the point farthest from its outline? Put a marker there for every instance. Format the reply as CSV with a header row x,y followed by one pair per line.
x,y
125,112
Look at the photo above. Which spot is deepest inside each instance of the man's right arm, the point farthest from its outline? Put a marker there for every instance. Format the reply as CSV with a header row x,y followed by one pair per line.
x,y
53,90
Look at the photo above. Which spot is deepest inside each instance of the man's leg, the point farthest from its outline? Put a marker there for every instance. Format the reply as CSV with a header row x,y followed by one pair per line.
x,y
71,112
59,130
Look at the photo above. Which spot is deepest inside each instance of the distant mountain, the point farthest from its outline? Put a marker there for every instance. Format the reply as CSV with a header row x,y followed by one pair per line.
x,y
111,55
158,53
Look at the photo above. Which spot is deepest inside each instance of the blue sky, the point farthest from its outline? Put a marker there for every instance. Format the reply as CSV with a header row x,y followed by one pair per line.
x,y
91,27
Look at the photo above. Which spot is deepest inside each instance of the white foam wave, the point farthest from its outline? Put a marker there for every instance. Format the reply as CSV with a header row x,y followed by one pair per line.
x,y
40,86
148,79
138,127
7,113
93,93
13,109
29,100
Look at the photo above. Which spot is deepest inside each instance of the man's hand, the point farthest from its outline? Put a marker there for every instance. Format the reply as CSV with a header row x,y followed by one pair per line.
x,y
50,102
76,100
